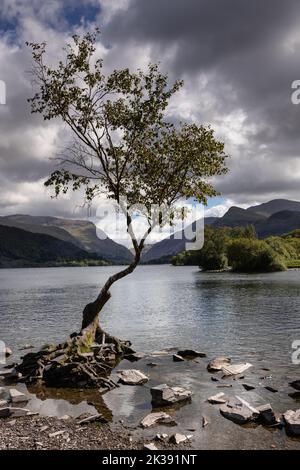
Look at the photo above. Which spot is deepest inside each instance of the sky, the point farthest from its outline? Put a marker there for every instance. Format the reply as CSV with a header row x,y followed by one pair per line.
x,y
238,59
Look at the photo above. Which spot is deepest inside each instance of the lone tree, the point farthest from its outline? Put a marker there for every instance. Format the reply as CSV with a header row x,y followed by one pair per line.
x,y
123,143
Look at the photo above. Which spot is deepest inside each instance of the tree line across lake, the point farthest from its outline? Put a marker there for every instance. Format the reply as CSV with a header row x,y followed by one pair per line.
x,y
240,249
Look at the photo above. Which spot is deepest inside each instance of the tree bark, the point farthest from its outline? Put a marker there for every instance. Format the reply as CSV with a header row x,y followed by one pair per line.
x,y
90,327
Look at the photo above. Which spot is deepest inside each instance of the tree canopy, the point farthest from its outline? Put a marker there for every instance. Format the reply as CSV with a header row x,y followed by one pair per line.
x,y
123,144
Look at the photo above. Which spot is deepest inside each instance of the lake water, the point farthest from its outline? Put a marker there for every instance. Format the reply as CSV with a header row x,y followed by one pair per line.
x,y
253,318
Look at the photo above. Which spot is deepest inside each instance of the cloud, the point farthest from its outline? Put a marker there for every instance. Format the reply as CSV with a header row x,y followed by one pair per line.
x,y
238,60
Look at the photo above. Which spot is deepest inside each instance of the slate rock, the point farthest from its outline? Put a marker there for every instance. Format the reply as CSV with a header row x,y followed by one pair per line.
x,y
163,395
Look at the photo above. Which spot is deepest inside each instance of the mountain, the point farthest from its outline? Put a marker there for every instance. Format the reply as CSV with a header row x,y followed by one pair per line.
x,y
20,248
236,216
79,232
278,224
276,205
275,217
164,250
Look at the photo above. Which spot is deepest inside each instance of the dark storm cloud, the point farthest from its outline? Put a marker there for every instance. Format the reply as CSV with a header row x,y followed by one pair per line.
x,y
249,47
238,59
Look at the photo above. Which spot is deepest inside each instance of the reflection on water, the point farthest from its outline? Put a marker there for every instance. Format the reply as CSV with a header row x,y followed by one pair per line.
x,y
253,318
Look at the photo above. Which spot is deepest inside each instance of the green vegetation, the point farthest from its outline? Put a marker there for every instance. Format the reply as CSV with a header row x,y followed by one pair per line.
x,y
239,248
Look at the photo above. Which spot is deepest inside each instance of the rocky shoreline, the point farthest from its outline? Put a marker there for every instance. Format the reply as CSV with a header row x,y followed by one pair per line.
x,y
159,424
48,433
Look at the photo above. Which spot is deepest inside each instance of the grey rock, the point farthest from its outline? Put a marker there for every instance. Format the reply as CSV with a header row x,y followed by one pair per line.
x,y
267,415
136,356
292,422
205,421
239,411
163,395
132,377
177,358
3,403
218,399
150,446
217,363
179,438
235,369
92,419
156,418
18,412
190,353
16,396
161,437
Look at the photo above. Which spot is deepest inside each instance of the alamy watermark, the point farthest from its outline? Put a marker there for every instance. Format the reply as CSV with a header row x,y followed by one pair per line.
x,y
296,352
2,92
183,221
2,352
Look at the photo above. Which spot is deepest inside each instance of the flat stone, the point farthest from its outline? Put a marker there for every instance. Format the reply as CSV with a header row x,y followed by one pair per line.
x,y
156,418
92,419
267,415
179,438
248,387
3,403
235,369
218,399
161,437
16,396
295,384
18,412
239,411
190,353
163,395
177,358
135,356
218,363
150,446
205,421
132,377
160,353
292,422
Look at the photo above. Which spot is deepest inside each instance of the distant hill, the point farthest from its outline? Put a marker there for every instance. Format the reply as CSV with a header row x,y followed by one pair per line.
x,y
275,217
236,216
19,248
276,205
278,224
168,247
79,232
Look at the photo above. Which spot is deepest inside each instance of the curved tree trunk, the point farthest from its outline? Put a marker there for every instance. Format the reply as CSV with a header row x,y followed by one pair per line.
x,y
90,328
